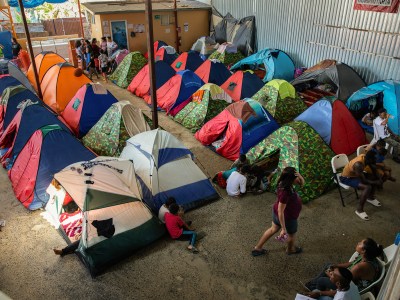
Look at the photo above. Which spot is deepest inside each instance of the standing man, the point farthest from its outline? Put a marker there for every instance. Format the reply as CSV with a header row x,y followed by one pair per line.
x,y
382,131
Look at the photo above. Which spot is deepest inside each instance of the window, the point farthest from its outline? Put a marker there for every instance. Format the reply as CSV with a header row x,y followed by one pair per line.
x,y
165,20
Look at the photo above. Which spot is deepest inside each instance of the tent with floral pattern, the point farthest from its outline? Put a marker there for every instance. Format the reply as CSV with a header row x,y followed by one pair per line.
x,y
128,68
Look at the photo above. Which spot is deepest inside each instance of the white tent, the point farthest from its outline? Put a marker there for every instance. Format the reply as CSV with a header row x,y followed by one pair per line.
x,y
164,168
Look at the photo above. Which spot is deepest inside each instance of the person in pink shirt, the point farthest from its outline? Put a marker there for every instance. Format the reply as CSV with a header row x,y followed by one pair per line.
x,y
178,229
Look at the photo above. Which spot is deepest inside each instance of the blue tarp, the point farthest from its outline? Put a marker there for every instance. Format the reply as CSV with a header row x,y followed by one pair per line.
x,y
278,65
5,41
319,117
33,3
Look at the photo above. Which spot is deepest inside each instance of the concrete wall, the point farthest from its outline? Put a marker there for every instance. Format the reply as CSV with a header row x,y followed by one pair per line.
x,y
197,25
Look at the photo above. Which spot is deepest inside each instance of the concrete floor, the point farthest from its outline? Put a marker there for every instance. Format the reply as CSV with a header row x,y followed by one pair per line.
x,y
224,268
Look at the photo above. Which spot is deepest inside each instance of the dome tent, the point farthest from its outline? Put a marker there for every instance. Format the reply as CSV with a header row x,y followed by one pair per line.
x,y
187,61
213,71
164,168
127,69
242,85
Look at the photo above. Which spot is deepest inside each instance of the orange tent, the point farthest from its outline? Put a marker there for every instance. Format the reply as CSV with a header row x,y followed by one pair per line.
x,y
60,84
44,61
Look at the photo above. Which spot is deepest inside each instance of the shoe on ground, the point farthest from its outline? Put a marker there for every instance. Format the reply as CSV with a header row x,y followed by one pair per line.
x,y
374,202
363,215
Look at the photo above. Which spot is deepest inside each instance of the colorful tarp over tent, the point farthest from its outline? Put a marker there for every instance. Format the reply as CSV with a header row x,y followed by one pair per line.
x,y
87,107
276,64
336,125
279,98
164,168
187,61
204,104
44,155
128,68
237,128
44,61
213,71
121,121
60,84
110,192
242,85
300,147
177,90
140,85
389,90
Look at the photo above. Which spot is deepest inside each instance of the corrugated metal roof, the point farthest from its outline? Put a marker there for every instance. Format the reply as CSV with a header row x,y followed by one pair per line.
x,y
313,30
115,7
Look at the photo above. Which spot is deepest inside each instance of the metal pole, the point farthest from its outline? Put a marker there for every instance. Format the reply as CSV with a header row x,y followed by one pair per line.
x,y
150,49
28,40
176,27
80,19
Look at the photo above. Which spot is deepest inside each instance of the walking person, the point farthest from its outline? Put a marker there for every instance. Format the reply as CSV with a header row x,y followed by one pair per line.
x,y
285,213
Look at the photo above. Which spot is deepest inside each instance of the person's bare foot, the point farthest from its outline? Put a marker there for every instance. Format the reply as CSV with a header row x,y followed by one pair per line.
x,y
57,251
392,179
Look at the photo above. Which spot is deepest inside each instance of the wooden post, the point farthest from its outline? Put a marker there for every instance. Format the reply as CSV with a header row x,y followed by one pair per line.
x,y
150,49
29,42
176,27
80,19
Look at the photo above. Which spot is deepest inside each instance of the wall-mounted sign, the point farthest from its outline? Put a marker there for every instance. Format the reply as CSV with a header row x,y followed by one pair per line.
x,y
157,17
388,6
186,27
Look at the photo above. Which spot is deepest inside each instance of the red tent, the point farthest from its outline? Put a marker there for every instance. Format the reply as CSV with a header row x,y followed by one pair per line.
x,y
187,61
242,85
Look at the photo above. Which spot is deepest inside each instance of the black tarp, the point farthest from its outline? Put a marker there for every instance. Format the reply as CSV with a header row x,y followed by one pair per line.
x,y
241,32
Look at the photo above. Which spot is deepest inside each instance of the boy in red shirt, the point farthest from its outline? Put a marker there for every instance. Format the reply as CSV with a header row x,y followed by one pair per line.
x,y
178,229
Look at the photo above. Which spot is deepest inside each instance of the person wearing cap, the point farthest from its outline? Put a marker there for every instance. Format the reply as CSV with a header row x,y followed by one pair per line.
x,y
382,131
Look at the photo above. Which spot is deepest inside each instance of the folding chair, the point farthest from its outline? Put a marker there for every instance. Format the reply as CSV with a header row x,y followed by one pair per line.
x,y
367,296
378,281
362,149
338,162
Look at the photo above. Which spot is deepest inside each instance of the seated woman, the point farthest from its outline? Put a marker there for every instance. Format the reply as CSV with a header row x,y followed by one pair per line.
x,y
365,269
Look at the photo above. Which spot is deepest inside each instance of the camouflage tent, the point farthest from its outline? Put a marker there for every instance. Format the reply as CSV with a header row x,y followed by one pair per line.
x,y
280,99
228,54
298,146
128,68
205,104
120,122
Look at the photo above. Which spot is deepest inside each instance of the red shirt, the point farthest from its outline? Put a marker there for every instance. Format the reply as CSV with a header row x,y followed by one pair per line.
x,y
174,225
292,201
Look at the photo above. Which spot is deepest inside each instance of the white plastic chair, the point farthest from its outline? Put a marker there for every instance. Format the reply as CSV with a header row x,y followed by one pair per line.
x,y
338,162
378,281
362,149
389,253
368,296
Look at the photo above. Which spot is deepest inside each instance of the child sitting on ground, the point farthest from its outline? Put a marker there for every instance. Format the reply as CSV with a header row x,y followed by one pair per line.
x,y
178,229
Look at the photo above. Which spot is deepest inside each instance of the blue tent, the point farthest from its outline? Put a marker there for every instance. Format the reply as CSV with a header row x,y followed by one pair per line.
x,y
187,61
44,155
5,41
370,97
86,108
242,85
33,117
14,101
277,64
213,72
7,81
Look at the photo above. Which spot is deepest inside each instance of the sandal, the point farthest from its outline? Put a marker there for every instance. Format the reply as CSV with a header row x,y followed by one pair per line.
x,y
257,252
363,215
297,250
194,250
374,202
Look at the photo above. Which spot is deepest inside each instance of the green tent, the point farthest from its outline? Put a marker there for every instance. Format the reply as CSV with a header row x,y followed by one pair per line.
x,y
128,68
120,122
115,221
206,103
228,54
280,99
298,146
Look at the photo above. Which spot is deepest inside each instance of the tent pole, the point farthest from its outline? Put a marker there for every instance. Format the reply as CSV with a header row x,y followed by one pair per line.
x,y
150,49
80,19
28,40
